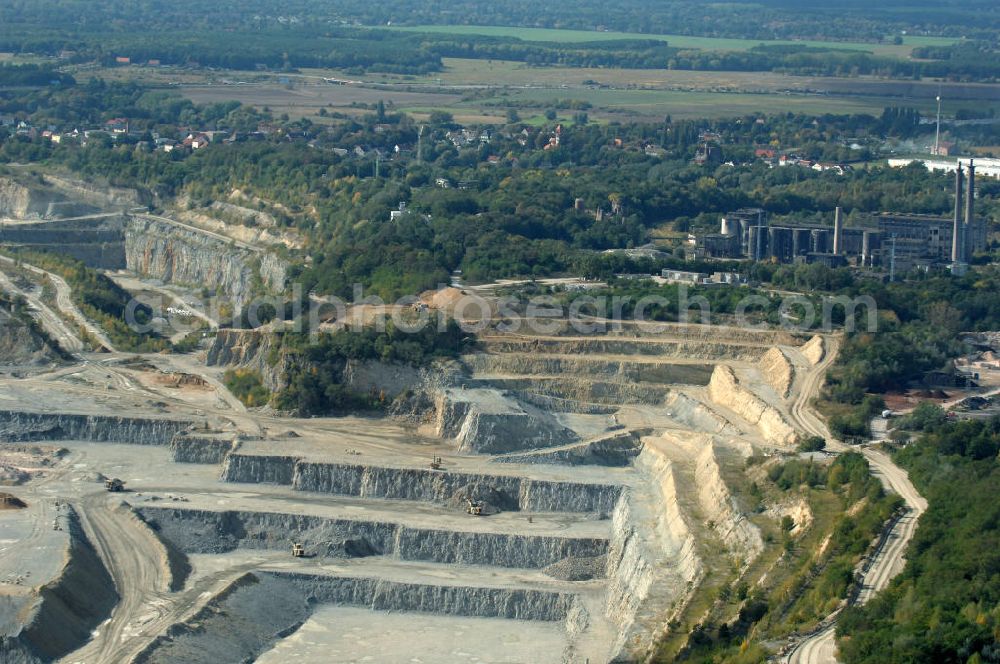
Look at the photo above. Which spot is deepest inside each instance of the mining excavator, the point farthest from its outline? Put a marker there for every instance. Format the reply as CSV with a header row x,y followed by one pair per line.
x,y
298,550
475,507
436,463
114,485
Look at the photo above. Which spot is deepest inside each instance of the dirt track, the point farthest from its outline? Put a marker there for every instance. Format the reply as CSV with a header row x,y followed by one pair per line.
x,y
820,648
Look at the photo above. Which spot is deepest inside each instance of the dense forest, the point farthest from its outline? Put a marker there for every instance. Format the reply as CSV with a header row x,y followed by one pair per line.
x,y
945,606
285,38
755,19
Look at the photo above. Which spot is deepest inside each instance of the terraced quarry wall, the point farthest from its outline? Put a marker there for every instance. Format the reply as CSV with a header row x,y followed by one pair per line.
x,y
20,426
725,389
174,254
509,492
626,329
149,246
202,531
697,349
653,564
30,200
191,447
261,607
98,243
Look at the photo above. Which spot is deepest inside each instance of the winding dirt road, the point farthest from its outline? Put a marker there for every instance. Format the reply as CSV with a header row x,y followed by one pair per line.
x,y
888,561
53,324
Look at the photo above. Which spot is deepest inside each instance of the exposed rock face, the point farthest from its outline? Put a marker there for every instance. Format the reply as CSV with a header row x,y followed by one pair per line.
x,y
262,352
651,570
237,625
172,253
23,200
16,426
706,350
777,371
814,350
192,447
420,484
661,330
619,449
259,469
663,373
691,412
740,535
250,349
20,345
562,405
392,379
726,390
510,603
485,421
98,242
259,608
60,616
98,195
240,223
201,531
583,390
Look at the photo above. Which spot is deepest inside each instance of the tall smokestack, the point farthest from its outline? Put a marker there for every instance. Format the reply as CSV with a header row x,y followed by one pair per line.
x,y
838,230
970,211
957,231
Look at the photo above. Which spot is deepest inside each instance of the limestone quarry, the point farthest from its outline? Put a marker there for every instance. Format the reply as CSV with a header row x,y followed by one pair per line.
x,y
556,497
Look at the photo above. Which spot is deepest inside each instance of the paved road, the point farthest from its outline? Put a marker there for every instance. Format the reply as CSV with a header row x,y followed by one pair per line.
x,y
888,561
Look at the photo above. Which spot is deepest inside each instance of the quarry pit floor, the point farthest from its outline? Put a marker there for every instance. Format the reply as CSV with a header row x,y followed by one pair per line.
x,y
331,633
165,493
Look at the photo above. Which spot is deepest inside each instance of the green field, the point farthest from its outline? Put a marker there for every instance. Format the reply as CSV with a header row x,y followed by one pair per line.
x,y
680,41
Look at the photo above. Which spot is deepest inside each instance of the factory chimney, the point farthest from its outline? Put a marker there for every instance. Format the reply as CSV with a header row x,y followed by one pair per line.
x,y
838,230
970,212
957,231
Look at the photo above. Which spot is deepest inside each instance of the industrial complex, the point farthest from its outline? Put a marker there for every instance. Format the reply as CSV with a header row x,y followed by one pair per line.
x,y
892,241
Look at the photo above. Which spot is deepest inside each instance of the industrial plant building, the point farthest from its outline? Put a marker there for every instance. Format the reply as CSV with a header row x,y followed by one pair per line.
x,y
896,241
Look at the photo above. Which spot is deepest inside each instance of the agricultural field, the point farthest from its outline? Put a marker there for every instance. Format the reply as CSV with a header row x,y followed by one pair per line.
x,y
680,41
481,91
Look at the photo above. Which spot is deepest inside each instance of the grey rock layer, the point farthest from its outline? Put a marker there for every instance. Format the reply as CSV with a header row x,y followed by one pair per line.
x,y
66,609
19,426
260,608
175,254
204,531
517,493
189,447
